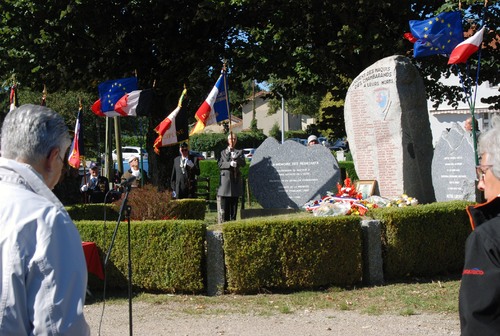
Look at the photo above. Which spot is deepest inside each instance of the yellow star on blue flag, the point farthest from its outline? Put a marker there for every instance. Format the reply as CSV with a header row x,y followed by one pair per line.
x,y
437,35
112,90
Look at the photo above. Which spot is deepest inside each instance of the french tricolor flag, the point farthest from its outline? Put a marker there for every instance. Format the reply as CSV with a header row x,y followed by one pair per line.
x,y
465,49
127,105
215,108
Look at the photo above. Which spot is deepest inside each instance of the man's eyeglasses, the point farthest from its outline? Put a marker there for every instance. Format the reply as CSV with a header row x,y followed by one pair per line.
x,y
481,171
184,150
64,161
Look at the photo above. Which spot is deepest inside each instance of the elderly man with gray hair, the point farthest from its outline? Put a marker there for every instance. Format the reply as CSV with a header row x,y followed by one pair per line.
x,y
479,301
231,183
42,265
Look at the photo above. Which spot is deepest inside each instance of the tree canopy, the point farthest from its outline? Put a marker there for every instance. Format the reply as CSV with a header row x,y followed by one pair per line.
x,y
310,48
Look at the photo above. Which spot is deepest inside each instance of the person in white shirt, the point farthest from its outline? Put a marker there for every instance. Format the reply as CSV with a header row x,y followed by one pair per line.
x,y
42,265
141,177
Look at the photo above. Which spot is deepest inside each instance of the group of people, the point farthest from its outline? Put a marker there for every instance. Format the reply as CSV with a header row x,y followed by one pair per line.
x,y
183,178
43,270
95,187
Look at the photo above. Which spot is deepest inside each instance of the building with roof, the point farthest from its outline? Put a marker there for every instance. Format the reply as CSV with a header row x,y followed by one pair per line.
x,y
445,115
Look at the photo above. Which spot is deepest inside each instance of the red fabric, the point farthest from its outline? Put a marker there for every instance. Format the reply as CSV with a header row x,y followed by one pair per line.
x,y
161,129
96,108
465,49
94,264
409,36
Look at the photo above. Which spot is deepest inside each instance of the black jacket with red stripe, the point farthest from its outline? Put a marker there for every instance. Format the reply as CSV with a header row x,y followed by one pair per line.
x,y
479,298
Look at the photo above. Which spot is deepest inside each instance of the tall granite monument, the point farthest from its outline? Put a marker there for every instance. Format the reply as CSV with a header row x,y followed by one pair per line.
x,y
388,129
290,174
453,166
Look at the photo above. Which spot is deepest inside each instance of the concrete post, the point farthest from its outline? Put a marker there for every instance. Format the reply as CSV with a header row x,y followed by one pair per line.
x,y
216,276
373,272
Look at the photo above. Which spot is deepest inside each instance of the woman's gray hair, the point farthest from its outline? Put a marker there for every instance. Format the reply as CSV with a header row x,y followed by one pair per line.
x,y
30,132
489,143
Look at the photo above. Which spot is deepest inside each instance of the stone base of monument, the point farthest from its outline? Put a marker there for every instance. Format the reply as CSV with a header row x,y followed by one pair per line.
x,y
249,213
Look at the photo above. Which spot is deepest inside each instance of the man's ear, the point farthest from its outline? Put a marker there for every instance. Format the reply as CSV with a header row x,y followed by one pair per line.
x,y
52,159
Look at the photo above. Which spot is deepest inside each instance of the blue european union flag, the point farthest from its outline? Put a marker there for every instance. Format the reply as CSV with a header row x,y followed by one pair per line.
x,y
112,90
437,35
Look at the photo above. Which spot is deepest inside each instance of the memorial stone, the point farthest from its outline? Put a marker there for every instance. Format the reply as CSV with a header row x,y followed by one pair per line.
x,y
388,129
290,174
453,166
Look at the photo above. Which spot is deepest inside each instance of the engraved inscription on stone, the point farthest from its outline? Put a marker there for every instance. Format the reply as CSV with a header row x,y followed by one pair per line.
x,y
289,175
388,129
453,172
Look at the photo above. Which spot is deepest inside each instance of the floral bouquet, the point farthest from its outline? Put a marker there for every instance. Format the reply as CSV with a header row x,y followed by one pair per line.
x,y
348,201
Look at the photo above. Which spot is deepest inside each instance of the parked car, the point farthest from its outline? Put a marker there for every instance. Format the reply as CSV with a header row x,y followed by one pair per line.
x,y
299,140
128,151
248,152
197,155
324,141
340,144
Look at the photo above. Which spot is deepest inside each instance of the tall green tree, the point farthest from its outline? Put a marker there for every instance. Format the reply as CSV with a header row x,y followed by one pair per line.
x,y
313,47
316,47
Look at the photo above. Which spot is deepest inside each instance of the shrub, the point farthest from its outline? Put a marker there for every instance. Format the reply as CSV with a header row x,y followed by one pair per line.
x,y
167,256
216,142
284,253
93,211
188,208
350,170
425,240
147,203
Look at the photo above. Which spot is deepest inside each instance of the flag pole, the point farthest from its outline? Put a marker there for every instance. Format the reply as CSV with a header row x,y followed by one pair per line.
x,y
227,97
471,103
474,130
82,157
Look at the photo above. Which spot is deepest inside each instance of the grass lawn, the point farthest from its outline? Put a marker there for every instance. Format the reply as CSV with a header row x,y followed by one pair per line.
x,y
422,296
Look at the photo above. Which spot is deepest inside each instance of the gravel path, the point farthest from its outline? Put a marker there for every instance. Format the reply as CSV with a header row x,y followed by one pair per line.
x,y
162,319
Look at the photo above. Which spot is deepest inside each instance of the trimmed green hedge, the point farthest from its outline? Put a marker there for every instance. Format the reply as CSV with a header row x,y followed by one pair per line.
x,y
204,142
188,208
305,252
167,256
349,167
92,212
425,240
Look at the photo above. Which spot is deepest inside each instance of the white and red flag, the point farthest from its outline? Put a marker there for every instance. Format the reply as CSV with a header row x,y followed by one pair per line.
x,y
76,151
215,108
168,132
136,103
465,49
